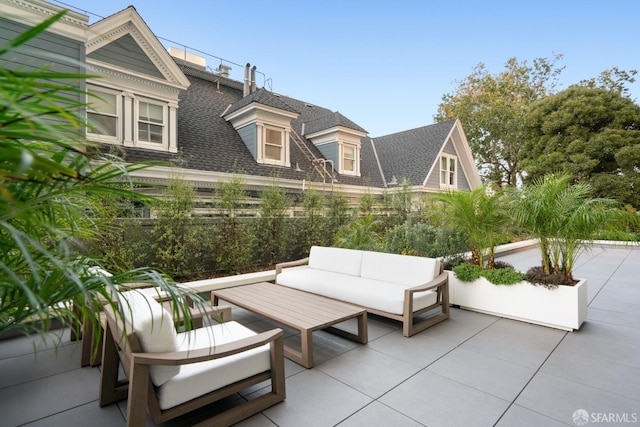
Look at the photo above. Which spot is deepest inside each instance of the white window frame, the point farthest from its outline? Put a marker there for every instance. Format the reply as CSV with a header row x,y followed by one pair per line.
x,y
163,146
356,159
99,137
284,146
448,177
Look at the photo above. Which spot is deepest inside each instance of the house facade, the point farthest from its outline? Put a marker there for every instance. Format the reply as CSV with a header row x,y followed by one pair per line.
x,y
163,104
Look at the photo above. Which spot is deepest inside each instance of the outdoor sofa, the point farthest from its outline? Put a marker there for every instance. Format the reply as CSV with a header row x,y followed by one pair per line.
x,y
399,287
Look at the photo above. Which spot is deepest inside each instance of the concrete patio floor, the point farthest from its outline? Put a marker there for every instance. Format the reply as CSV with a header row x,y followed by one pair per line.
x,y
471,370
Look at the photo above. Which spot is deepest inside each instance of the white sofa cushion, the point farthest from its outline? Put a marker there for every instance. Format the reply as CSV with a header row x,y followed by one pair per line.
x,y
197,379
400,269
338,260
370,293
154,328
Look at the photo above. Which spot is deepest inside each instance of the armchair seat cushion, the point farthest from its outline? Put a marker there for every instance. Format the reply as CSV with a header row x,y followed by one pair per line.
x,y
197,379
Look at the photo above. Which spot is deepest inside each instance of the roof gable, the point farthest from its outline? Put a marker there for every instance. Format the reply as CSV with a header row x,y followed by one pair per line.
x,y
413,154
123,41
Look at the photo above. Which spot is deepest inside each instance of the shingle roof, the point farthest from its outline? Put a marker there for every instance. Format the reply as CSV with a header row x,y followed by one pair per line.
x,y
261,96
330,121
410,154
208,142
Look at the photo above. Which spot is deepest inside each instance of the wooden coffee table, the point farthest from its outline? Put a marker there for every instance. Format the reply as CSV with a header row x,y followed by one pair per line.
x,y
300,310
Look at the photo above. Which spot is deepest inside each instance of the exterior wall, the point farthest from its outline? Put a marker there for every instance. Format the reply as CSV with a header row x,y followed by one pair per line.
x,y
330,152
126,53
61,53
249,136
434,178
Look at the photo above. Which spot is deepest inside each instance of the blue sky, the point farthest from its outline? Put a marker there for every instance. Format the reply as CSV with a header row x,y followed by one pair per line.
x,y
386,64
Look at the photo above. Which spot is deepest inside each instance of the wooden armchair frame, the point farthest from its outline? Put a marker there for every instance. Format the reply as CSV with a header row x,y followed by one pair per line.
x,y
121,346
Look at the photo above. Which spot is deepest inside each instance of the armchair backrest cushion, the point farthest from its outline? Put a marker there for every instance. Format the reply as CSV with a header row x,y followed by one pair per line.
x,y
337,260
404,270
153,327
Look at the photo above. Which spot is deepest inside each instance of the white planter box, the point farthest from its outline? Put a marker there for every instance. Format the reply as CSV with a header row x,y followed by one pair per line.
x,y
564,307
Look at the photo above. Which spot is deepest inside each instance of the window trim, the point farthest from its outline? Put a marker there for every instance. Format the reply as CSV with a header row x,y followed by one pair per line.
x,y
356,159
98,137
450,160
164,145
284,148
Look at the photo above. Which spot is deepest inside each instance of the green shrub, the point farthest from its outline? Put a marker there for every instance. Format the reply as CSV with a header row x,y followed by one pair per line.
x,y
498,276
467,272
503,276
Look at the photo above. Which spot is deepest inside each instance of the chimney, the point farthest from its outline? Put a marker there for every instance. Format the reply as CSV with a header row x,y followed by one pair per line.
x,y
253,79
245,91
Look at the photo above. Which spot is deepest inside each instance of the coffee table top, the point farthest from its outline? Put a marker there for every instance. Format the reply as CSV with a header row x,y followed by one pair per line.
x,y
291,307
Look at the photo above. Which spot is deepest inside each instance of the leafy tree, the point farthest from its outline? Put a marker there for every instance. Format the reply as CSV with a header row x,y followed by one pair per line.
x,y
175,235
593,135
234,243
53,184
492,109
613,79
273,235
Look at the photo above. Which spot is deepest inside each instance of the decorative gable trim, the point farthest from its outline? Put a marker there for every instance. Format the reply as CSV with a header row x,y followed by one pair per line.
x,y
72,25
129,22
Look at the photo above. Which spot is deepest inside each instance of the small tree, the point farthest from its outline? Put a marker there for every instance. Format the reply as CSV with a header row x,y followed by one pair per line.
x,y
481,214
563,218
273,238
176,238
234,243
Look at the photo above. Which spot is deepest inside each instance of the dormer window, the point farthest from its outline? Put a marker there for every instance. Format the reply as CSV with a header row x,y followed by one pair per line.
x,y
273,145
151,121
349,164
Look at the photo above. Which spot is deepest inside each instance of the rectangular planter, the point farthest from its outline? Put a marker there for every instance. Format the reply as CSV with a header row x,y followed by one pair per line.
x,y
564,307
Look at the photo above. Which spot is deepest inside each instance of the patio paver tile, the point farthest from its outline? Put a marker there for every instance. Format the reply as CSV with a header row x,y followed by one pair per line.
x,y
516,342
485,373
517,416
437,401
316,400
560,398
368,371
376,414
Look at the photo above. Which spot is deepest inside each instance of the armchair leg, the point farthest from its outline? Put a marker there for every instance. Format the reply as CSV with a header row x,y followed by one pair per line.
x,y
138,395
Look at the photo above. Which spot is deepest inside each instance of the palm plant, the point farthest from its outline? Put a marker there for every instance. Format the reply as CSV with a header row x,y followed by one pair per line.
x,y
360,234
53,184
563,218
482,216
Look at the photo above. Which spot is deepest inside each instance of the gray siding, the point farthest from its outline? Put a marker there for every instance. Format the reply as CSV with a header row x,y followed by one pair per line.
x,y
330,152
60,54
449,149
249,135
126,53
434,178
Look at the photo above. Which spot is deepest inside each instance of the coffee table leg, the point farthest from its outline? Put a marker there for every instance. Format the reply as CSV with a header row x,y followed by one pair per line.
x,y
306,347
363,330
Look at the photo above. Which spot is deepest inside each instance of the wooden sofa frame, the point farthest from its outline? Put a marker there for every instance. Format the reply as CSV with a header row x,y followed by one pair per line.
x,y
411,325
121,346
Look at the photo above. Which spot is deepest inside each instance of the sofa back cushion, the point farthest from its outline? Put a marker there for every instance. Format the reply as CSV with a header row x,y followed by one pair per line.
x,y
401,269
153,327
337,260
